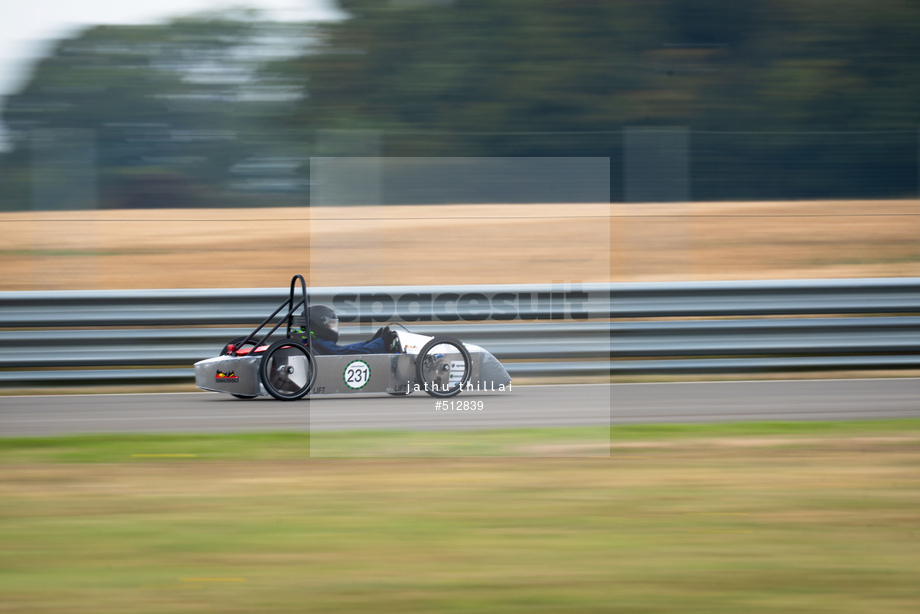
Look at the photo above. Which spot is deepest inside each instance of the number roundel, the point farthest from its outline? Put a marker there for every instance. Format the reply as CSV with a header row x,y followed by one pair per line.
x,y
357,374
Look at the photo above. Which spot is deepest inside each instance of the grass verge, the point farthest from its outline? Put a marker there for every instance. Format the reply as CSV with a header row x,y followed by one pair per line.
x,y
745,517
296,445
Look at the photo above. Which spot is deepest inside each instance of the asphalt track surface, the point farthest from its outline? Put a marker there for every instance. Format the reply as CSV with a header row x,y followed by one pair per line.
x,y
524,406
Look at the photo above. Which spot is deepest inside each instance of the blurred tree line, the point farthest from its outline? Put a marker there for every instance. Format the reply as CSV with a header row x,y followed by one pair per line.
x,y
182,114
782,98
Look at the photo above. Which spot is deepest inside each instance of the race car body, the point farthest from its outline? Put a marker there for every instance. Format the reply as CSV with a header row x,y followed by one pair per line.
x,y
288,370
391,373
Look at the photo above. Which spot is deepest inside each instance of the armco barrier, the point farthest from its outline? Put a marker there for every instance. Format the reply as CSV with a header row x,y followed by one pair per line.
x,y
154,336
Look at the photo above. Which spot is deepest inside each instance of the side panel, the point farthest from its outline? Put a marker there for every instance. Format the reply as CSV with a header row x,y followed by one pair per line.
x,y
230,374
376,373
359,373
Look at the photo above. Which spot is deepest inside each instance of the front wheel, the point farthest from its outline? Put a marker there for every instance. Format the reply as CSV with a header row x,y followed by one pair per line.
x,y
287,370
443,367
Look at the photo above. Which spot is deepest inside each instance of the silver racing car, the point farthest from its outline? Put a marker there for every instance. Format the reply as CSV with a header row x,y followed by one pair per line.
x,y
288,369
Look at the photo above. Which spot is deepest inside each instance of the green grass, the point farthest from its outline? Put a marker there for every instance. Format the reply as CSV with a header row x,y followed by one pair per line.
x,y
745,517
164,448
289,445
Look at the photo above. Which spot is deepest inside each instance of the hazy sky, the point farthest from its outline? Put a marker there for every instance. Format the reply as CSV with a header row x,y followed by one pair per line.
x,y
29,27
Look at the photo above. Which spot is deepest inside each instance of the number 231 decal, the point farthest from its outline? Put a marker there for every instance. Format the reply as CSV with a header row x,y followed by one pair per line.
x,y
357,374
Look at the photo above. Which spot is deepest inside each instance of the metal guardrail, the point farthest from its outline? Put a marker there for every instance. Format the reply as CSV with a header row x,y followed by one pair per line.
x,y
154,336
465,303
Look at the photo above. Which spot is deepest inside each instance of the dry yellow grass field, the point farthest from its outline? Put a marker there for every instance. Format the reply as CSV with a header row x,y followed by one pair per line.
x,y
458,244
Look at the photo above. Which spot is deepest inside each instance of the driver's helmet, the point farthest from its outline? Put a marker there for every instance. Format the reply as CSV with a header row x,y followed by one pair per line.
x,y
324,323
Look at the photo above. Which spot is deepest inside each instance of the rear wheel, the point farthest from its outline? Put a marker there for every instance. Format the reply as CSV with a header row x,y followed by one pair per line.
x,y
287,370
443,367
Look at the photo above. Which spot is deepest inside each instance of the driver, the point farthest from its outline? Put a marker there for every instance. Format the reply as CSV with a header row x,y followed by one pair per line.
x,y
324,334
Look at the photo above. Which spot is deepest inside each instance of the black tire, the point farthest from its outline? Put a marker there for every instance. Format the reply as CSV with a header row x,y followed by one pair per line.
x,y
282,379
433,370
400,394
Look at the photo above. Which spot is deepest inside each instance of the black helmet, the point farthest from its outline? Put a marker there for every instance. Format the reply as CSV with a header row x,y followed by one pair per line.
x,y
323,323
